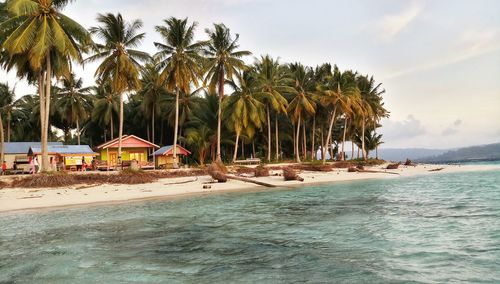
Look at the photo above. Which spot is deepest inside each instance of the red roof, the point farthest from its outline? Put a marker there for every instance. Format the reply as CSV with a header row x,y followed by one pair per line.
x,y
169,151
128,141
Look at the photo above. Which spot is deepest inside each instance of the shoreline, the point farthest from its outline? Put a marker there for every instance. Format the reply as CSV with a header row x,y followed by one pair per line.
x,y
22,200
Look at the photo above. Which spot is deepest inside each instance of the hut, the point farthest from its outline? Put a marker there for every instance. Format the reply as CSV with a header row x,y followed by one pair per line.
x,y
18,152
67,157
164,157
133,148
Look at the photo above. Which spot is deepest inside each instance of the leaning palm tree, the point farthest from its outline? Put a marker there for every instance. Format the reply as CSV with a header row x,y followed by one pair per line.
x,y
40,42
6,99
223,62
273,80
120,61
74,102
244,108
181,61
302,103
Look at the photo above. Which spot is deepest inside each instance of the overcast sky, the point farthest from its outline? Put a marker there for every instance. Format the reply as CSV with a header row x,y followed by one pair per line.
x,y
439,60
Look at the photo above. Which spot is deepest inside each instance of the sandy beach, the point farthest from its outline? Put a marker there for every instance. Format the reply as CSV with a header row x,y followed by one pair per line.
x,y
15,199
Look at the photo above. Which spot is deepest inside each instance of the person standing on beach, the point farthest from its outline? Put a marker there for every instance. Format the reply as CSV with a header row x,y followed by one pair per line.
x,y
37,165
4,168
32,165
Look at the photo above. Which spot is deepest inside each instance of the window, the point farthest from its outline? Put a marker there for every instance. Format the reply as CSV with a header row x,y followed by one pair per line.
x,y
139,156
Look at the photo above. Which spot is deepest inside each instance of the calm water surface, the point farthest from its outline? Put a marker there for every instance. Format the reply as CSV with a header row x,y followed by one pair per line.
x,y
440,228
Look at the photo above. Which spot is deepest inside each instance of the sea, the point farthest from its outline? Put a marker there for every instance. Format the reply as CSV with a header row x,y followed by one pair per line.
x,y
440,228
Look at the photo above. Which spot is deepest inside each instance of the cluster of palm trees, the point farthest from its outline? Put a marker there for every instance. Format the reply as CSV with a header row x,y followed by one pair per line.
x,y
177,95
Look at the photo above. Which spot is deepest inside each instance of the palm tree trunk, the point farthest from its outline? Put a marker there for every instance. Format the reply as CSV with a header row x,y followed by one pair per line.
x,y
120,130
363,140
322,144
153,136
153,126
112,126
352,150
277,138
78,131
313,134
253,148
176,127
235,155
297,136
243,148
343,138
9,121
294,140
2,141
48,85
219,113
268,135
304,140
329,135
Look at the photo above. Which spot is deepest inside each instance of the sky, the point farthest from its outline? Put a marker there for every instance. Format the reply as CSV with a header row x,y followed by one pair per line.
x,y
438,60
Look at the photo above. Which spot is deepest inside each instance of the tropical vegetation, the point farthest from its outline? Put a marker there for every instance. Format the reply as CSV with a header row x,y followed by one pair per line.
x,y
204,94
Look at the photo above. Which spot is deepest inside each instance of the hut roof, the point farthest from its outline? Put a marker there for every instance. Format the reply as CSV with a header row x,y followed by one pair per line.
x,y
65,150
128,141
23,147
169,150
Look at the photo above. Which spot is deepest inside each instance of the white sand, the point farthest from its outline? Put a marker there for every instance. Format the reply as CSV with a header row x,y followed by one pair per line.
x,y
30,199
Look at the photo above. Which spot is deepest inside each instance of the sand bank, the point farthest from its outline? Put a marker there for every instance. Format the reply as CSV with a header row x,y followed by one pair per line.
x,y
14,199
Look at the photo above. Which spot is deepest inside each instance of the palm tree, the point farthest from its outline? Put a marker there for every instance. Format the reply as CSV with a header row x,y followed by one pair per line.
x,y
106,106
6,99
41,42
120,61
153,90
244,108
199,138
223,62
74,102
334,96
302,103
181,62
273,80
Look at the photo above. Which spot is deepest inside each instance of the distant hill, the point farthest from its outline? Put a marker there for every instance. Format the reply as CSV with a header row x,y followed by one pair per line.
x,y
390,154
489,152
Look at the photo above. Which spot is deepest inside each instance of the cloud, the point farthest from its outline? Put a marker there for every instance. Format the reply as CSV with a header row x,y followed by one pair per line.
x,y
470,44
453,128
391,25
406,129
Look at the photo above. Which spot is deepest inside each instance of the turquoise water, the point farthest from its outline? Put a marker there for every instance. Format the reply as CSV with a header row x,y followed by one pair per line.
x,y
440,228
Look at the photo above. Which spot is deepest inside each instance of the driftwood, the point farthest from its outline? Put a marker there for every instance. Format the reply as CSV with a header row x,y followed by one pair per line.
x,y
290,174
393,166
216,171
261,171
182,182
356,170
409,163
436,170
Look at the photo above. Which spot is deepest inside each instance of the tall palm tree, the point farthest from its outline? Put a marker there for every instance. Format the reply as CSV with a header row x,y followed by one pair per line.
x,y
334,96
153,90
106,106
371,106
6,99
244,108
181,61
273,80
74,102
302,103
223,62
42,42
120,59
